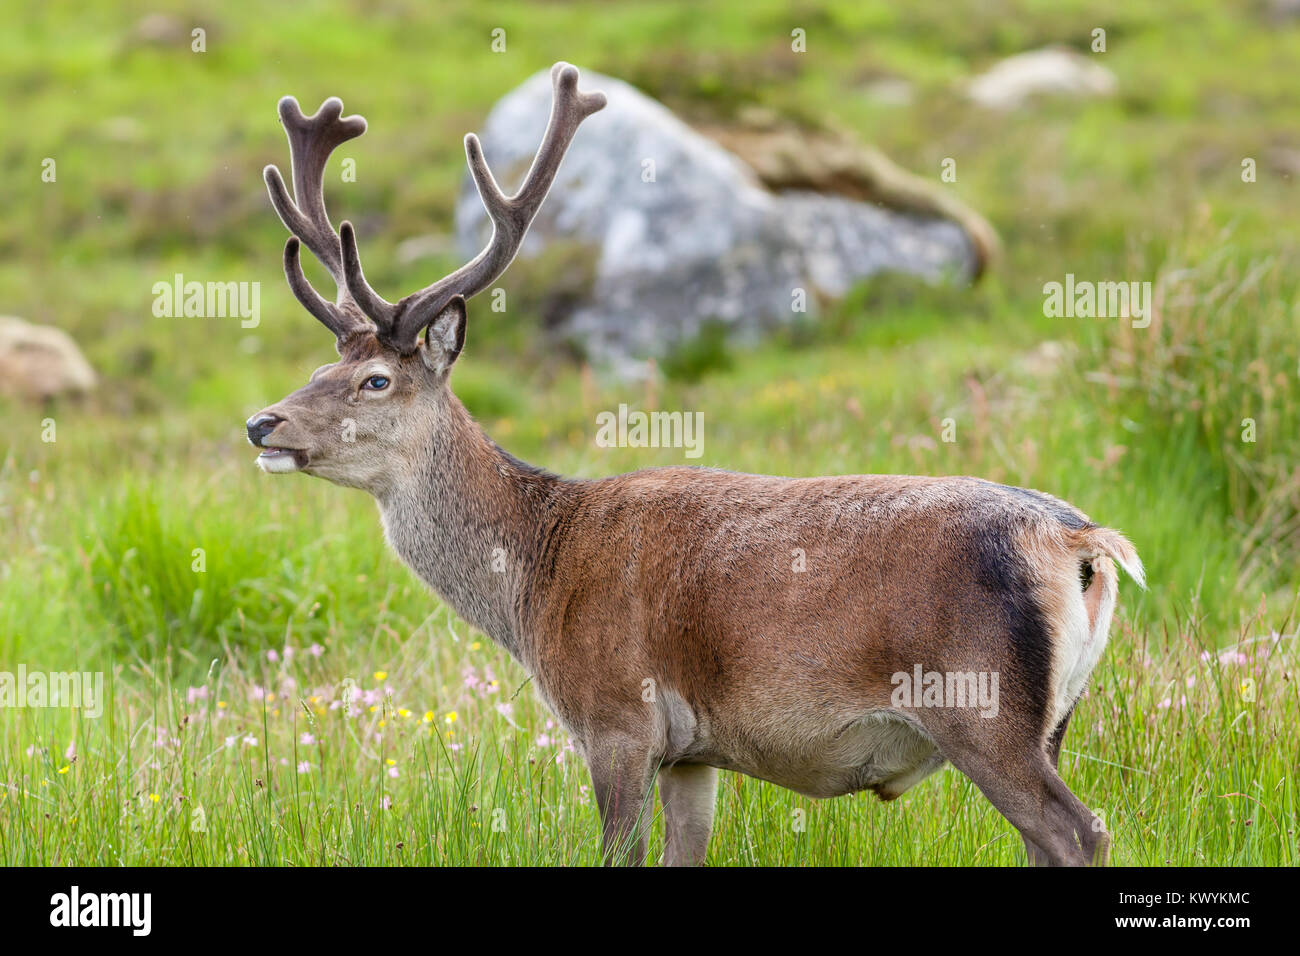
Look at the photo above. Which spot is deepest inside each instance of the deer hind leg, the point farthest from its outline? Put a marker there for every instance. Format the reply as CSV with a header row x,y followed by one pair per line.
x,y
1057,828
1058,736
1036,855
689,793
622,777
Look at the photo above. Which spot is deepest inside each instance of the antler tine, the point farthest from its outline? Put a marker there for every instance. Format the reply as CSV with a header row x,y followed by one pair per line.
x,y
330,315
311,141
380,310
510,215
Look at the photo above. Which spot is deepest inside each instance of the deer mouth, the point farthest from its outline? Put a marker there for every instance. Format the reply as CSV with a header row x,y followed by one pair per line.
x,y
275,461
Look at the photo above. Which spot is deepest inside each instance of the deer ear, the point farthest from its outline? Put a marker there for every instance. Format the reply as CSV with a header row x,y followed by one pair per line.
x,y
444,337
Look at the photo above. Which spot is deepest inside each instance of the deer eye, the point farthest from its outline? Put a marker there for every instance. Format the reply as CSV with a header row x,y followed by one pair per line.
x,y
376,383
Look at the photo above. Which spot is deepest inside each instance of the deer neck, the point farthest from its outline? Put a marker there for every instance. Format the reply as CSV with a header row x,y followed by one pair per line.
x,y
468,518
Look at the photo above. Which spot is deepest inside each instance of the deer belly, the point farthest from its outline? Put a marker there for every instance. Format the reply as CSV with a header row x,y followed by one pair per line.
x,y
866,754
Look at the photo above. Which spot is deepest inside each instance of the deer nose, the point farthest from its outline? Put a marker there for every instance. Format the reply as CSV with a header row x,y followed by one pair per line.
x,y
261,425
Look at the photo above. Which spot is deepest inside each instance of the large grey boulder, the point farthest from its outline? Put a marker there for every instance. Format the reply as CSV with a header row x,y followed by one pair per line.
x,y
682,232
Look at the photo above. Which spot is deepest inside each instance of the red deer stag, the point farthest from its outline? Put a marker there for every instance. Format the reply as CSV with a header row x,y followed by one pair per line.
x,y
658,612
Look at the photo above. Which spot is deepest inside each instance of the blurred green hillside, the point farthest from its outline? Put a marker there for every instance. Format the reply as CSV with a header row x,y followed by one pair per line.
x,y
159,152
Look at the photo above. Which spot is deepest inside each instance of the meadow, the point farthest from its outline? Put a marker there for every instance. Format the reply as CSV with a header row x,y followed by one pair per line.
x,y
280,690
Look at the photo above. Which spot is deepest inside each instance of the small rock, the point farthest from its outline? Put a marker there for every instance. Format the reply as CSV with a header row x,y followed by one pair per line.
x,y
1054,71
160,29
39,362
1284,161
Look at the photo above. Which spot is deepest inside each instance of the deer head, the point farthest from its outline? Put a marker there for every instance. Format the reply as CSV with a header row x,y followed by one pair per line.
x,y
354,419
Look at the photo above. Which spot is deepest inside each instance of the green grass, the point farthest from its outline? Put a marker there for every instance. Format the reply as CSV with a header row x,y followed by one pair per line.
x,y
1187,750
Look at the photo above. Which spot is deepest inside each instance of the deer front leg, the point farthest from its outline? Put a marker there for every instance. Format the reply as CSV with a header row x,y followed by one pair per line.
x,y
622,776
688,792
